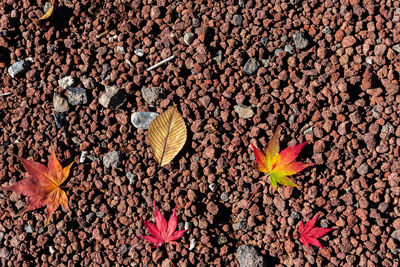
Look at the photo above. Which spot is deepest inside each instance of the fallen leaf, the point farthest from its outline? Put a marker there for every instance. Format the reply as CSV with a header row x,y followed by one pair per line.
x,y
48,13
167,135
42,185
309,233
279,165
162,232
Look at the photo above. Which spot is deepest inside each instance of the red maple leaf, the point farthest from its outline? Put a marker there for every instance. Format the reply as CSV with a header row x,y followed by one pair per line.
x,y
162,232
309,234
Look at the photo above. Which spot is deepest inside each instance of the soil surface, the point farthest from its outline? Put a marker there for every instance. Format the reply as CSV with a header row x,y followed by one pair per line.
x,y
325,71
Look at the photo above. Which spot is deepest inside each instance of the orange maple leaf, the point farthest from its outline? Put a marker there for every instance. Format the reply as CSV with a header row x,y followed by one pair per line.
x,y
280,165
42,186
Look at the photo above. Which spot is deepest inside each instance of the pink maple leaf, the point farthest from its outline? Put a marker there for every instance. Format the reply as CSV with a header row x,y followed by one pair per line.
x,y
309,234
162,232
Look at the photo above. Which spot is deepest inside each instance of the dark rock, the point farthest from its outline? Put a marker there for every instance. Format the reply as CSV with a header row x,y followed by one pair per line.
x,y
251,66
59,119
300,40
77,96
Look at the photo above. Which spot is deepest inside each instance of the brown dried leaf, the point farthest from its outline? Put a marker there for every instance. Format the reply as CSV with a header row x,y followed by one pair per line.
x,y
48,13
167,135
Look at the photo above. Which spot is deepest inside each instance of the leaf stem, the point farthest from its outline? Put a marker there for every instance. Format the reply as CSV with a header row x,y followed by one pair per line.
x,y
165,244
259,184
83,188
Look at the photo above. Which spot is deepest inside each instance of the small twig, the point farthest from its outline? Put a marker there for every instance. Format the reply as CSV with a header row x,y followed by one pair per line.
x,y
248,202
101,34
5,94
160,63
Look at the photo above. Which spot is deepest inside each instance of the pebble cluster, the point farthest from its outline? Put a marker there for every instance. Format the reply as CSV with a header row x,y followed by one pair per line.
x,y
326,71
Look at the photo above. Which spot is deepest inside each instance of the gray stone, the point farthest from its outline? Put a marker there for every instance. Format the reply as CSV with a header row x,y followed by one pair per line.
x,y
265,62
396,234
142,120
90,217
120,50
20,67
213,187
100,214
242,225
28,229
77,96
300,40
188,38
237,19
192,244
217,56
290,49
152,95
123,249
363,169
113,97
113,39
66,82
248,256
222,239
309,130
264,41
369,60
324,223
388,129
398,11
396,48
295,215
139,52
195,22
326,30
188,226
83,157
224,196
46,7
251,66
284,38
294,2
112,159
1,236
131,177
60,103
243,111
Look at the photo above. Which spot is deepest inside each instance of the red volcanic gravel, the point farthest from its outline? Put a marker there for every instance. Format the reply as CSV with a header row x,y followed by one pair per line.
x,y
326,71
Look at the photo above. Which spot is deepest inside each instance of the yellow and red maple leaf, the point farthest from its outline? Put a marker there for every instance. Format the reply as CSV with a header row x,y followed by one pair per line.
x,y
279,165
42,185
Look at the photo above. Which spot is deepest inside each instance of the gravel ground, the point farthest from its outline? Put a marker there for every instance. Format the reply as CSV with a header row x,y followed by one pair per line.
x,y
327,73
